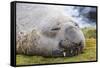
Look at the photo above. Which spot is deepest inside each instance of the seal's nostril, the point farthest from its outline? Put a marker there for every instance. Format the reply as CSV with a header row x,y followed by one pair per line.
x,y
80,43
81,47
60,44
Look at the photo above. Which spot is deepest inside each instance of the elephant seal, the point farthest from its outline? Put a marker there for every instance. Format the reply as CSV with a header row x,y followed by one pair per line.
x,y
48,32
52,43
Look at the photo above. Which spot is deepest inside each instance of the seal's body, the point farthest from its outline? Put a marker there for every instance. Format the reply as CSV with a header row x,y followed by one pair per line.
x,y
47,32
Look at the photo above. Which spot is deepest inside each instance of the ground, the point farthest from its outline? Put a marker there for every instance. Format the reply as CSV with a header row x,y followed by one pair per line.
x,y
89,54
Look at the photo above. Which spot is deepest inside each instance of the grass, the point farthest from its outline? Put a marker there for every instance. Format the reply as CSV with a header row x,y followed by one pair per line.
x,y
88,55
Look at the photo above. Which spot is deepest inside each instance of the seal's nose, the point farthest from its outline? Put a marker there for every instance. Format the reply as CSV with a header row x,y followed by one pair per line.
x,y
70,48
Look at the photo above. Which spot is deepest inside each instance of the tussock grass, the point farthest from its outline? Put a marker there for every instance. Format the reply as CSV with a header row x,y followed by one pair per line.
x,y
89,54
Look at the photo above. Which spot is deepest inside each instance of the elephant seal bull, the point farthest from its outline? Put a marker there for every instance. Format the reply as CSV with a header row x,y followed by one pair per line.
x,y
52,43
55,34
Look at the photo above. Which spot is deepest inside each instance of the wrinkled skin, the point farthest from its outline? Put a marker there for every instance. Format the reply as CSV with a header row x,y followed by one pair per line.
x,y
55,35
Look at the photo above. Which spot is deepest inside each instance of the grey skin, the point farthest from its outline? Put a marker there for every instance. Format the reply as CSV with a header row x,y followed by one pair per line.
x,y
47,31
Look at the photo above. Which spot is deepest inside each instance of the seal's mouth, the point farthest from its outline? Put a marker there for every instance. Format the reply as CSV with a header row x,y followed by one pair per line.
x,y
70,48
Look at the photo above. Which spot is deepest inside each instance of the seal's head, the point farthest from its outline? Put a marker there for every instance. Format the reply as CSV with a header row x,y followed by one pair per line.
x,y
71,40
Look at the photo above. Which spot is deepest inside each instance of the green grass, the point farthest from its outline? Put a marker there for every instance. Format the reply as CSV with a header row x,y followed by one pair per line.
x,y
88,55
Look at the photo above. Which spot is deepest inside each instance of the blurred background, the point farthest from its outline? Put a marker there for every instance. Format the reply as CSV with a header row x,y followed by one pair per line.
x,y
85,16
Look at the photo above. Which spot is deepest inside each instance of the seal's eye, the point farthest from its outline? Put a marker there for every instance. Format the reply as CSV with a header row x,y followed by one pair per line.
x,y
58,28
76,25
